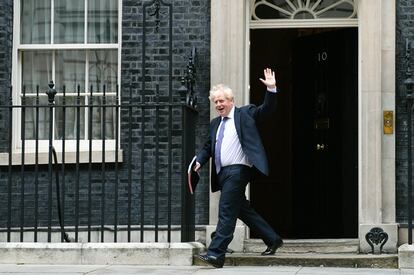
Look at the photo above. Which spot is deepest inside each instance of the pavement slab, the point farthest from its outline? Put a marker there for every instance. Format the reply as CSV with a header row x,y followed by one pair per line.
x,y
33,269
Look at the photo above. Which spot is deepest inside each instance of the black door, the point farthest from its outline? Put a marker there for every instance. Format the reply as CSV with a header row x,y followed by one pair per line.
x,y
324,138
312,141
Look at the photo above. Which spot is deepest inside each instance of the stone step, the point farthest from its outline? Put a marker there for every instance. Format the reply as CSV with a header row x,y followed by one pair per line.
x,y
178,254
310,259
307,246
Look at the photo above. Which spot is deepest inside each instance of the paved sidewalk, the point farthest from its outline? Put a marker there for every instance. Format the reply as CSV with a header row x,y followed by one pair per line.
x,y
189,270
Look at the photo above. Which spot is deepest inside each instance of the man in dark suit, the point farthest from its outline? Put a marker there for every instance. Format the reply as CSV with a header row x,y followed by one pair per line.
x,y
236,150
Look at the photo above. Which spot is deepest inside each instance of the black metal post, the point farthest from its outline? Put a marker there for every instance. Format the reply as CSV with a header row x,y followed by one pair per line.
x,y
184,197
130,169
63,159
117,102
188,202
77,181
157,145
170,114
142,180
90,163
10,175
188,121
103,165
51,92
409,160
409,82
36,183
143,81
22,166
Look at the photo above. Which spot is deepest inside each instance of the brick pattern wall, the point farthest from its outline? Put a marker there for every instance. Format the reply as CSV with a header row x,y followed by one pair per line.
x,y
190,27
404,30
6,28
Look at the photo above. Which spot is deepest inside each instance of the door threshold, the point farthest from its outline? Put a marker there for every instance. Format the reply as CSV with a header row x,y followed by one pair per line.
x,y
307,246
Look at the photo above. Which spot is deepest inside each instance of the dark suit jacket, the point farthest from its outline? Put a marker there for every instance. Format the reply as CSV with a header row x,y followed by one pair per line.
x,y
245,119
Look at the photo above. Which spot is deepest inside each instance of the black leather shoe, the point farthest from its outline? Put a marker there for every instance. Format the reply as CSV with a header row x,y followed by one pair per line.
x,y
211,260
270,250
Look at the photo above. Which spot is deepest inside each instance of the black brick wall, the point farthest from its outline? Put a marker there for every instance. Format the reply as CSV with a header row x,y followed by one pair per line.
x,y
191,27
404,30
6,28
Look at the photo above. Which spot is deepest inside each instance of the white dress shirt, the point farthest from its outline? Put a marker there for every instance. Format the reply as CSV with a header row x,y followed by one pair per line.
x,y
231,150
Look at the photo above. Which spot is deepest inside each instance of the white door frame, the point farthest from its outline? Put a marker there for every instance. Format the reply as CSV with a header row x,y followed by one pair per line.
x,y
230,25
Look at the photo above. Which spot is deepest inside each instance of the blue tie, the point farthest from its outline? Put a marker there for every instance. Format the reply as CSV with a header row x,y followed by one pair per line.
x,y
217,153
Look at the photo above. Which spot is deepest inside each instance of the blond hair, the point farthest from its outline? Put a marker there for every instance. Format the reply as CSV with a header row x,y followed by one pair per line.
x,y
221,88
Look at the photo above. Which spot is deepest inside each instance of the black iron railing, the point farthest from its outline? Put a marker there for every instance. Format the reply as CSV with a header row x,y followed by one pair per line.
x,y
139,194
128,185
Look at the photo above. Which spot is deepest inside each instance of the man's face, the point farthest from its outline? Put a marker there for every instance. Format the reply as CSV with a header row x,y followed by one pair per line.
x,y
223,105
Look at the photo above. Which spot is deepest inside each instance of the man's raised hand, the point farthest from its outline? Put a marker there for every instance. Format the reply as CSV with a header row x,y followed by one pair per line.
x,y
270,80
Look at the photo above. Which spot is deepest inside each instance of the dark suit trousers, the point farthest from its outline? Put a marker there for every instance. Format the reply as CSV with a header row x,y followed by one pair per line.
x,y
233,204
